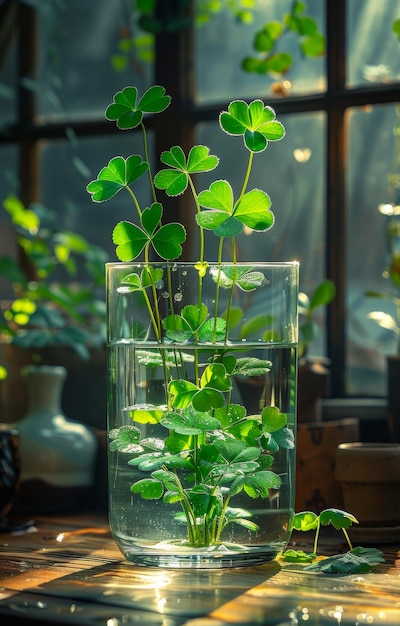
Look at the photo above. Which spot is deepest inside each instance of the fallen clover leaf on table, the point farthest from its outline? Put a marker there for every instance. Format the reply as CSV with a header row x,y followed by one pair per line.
x,y
356,561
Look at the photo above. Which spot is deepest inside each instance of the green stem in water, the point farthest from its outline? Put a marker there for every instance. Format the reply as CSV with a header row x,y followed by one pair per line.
x,y
220,250
231,290
222,519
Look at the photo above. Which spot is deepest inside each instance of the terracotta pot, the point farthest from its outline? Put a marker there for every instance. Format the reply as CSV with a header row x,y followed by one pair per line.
x,y
370,477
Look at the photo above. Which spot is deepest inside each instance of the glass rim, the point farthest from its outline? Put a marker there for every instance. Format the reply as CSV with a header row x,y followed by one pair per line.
x,y
278,264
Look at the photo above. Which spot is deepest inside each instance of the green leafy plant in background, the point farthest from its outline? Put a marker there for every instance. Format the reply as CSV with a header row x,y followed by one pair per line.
x,y
391,212
323,294
211,451
271,60
152,17
44,312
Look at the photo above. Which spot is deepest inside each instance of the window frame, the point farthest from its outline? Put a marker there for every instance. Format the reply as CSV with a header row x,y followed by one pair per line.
x,y
175,72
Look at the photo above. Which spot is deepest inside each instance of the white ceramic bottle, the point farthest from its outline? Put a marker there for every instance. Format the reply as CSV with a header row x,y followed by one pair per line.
x,y
57,454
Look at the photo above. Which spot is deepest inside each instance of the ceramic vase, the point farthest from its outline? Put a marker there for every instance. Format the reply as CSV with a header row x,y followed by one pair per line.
x,y
57,453
197,479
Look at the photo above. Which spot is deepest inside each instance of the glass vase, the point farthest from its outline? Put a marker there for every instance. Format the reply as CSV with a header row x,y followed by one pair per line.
x,y
202,381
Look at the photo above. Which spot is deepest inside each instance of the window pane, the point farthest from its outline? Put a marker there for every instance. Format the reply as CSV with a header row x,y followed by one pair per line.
x,y
78,40
372,47
9,186
371,147
67,167
292,172
8,87
222,44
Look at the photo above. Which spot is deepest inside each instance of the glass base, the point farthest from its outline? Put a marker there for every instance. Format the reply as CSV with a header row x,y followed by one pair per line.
x,y
217,557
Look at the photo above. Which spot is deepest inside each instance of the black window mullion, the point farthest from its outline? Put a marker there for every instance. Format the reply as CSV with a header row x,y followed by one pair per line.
x,y
28,144
335,191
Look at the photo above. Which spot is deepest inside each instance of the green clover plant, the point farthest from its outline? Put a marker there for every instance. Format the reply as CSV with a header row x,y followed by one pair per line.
x,y
356,561
210,450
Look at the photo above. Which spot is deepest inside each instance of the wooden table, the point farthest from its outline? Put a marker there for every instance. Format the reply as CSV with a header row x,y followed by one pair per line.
x,y
69,571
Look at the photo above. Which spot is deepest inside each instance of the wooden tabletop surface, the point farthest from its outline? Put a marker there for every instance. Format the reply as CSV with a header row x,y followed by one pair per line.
x,y
69,571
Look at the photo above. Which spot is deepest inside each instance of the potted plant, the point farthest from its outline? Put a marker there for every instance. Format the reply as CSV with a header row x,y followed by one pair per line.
x,y
196,480
47,316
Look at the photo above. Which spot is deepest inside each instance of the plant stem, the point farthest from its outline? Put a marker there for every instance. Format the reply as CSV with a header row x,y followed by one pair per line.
x,y
135,201
232,287
152,318
247,175
222,519
198,210
346,534
316,536
154,291
146,158
220,250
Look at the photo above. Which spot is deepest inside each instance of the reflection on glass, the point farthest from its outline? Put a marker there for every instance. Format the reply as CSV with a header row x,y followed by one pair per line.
x,y
370,155
223,43
78,41
373,52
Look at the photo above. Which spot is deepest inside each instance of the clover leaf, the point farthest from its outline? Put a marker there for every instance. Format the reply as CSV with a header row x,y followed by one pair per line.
x,y
131,239
242,276
212,330
146,413
117,175
256,485
251,366
305,520
149,488
128,113
192,324
168,239
183,327
256,122
214,382
137,282
338,518
226,219
298,556
175,181
356,561
125,439
272,419
190,422
215,376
